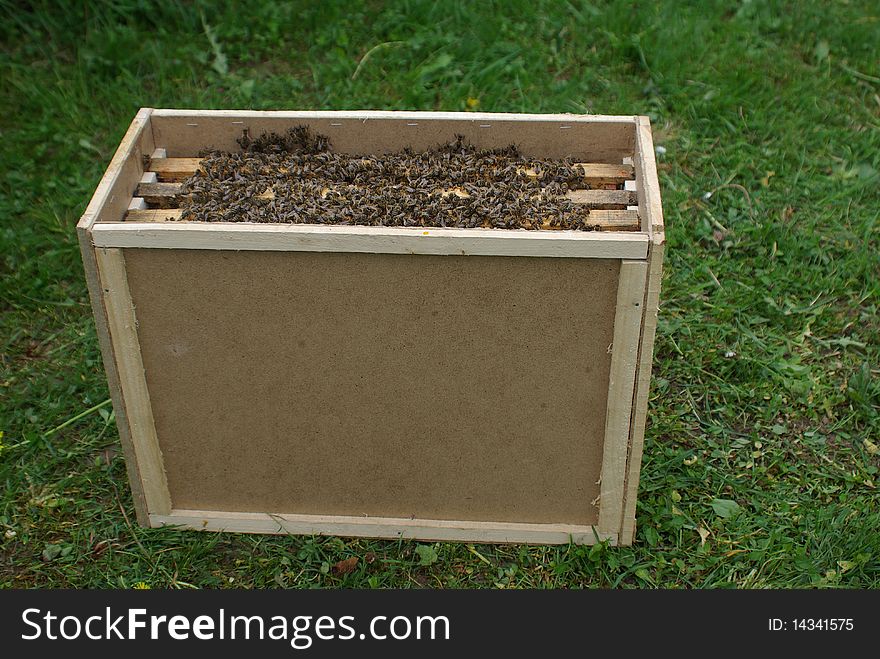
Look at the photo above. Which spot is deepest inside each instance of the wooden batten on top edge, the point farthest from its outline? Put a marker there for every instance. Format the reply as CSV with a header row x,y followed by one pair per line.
x,y
381,240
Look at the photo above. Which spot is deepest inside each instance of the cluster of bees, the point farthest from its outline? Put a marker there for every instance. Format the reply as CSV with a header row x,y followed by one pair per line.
x,y
296,178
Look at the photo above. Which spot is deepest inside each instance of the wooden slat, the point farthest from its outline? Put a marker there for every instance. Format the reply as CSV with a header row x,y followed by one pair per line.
x,y
179,169
165,195
169,195
605,220
174,169
383,527
595,174
603,173
643,382
109,201
153,215
615,220
371,240
651,212
122,326
604,198
624,356
608,220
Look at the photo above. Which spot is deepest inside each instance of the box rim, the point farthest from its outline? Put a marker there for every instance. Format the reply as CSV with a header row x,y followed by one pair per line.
x,y
401,114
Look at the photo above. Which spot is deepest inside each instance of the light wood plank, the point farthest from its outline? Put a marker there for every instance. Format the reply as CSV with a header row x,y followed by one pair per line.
x,y
179,169
643,383
606,173
166,194
593,173
647,184
603,198
171,193
383,527
108,357
376,240
624,355
122,326
606,220
615,220
154,215
110,199
174,169
651,211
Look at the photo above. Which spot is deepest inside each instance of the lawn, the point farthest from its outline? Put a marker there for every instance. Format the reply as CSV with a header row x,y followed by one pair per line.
x,y
761,460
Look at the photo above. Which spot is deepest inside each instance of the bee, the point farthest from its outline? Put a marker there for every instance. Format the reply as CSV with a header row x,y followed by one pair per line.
x,y
313,184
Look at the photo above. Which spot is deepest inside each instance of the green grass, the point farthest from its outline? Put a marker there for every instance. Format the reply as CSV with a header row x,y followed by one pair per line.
x,y
766,388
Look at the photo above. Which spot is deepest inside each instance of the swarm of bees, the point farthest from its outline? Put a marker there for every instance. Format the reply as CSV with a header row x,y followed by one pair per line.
x,y
297,178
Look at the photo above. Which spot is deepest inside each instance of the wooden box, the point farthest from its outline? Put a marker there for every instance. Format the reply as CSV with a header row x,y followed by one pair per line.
x,y
484,385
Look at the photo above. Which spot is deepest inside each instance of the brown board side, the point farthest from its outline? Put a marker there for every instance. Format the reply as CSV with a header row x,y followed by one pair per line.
x,y
600,141
433,387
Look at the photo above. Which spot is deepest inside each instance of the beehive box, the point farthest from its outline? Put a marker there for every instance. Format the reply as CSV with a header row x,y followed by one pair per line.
x,y
485,385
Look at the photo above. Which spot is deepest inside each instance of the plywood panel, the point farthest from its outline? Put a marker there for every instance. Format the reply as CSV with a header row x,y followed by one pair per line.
x,y
434,387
